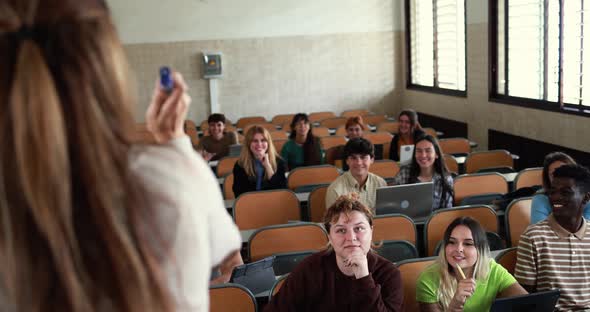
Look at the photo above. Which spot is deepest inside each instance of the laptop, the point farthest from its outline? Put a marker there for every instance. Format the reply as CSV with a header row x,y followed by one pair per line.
x,y
257,276
235,150
405,154
543,301
413,200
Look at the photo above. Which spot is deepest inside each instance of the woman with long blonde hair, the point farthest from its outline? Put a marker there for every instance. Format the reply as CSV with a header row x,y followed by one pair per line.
x,y
464,276
91,221
259,167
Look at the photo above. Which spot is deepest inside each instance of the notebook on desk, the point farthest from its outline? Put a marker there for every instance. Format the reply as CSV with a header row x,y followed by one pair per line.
x,y
257,276
405,154
413,200
543,301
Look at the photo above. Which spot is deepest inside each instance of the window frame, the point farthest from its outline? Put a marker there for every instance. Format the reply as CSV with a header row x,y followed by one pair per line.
x,y
433,89
493,96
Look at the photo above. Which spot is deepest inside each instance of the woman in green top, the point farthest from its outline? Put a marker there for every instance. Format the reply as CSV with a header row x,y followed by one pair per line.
x,y
464,277
302,149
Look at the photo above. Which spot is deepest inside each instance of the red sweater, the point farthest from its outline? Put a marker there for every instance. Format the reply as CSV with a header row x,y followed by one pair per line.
x,y
317,284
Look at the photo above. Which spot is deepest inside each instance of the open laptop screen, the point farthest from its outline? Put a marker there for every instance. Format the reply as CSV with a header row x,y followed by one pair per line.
x,y
413,200
543,301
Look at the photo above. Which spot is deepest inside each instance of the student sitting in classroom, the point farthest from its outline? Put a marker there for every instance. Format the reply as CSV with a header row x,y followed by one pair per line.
x,y
464,277
354,127
428,165
302,149
348,276
540,206
553,254
259,167
409,130
216,145
359,155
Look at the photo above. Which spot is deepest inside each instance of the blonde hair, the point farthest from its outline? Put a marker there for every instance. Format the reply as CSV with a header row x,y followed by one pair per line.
x,y
76,231
247,158
448,280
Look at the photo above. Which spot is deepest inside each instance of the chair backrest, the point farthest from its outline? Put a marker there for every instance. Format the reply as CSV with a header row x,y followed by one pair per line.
x,y
279,143
440,219
374,120
333,123
317,203
331,141
278,135
355,112
517,219
335,156
507,259
277,286
431,132
451,163
479,183
193,134
385,168
394,227
488,159
410,270
380,137
319,116
280,120
322,174
388,126
528,177
244,121
397,250
320,131
253,210
275,239
226,165
266,125
341,131
228,182
231,297
455,146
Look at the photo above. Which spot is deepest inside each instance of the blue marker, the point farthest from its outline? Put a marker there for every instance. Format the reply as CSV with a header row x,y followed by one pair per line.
x,y
166,80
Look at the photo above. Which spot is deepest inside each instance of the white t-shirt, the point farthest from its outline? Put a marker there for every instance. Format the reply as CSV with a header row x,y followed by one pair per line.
x,y
183,188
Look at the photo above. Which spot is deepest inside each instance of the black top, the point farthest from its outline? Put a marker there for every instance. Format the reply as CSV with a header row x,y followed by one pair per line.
x,y
244,183
394,148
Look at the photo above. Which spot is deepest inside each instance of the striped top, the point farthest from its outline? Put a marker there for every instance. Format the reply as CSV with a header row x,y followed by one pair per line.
x,y
550,257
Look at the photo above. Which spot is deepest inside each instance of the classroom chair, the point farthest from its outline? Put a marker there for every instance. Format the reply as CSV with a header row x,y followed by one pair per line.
x,y
316,203
226,165
253,210
388,126
277,286
374,120
321,174
410,270
517,219
331,141
341,131
266,125
455,146
397,250
355,112
507,259
279,143
333,123
439,220
320,132
319,116
231,298
478,183
476,161
278,135
394,227
385,168
452,164
228,182
280,120
244,121
528,177
292,237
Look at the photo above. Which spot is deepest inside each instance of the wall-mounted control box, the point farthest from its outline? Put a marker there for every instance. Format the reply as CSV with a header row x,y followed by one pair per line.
x,y
212,65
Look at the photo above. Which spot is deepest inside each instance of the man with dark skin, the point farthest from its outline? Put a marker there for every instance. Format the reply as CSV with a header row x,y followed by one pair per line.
x,y
552,253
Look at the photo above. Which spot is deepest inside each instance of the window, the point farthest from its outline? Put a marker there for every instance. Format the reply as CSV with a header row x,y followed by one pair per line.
x,y
436,45
538,53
